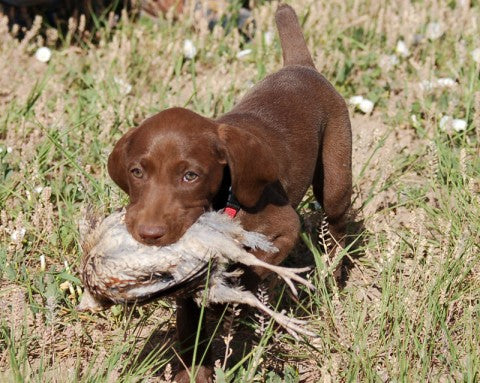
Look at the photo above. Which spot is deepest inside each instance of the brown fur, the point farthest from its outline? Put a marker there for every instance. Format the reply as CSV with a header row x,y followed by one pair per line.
x,y
292,130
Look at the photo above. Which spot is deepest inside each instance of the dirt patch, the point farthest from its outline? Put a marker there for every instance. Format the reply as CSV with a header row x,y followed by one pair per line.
x,y
377,169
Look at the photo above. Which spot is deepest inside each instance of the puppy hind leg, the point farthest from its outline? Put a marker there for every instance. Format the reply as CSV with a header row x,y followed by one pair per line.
x,y
332,181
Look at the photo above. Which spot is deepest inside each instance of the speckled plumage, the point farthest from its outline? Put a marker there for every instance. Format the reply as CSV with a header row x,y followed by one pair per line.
x,y
118,269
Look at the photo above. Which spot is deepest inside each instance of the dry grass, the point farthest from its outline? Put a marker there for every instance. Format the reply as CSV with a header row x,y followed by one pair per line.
x,y
410,308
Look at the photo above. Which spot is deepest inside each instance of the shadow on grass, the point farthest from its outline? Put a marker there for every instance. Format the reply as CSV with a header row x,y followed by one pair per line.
x,y
161,347
247,328
155,353
62,15
302,256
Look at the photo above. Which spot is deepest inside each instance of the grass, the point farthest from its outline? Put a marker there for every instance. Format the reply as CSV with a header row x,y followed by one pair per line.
x,y
410,308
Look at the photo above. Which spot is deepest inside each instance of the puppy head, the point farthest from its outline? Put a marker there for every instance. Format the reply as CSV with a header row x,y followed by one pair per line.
x,y
172,166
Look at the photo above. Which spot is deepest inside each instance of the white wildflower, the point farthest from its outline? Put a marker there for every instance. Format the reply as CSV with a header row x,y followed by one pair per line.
x,y
17,235
43,54
426,85
447,124
445,82
355,100
38,189
243,53
43,264
124,87
268,37
434,31
189,49
9,149
366,106
459,125
476,55
414,120
402,49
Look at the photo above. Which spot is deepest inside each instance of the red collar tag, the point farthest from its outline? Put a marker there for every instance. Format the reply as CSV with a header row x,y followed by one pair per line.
x,y
230,211
233,206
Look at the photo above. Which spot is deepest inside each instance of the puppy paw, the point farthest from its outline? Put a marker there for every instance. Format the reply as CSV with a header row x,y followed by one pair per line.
x,y
202,375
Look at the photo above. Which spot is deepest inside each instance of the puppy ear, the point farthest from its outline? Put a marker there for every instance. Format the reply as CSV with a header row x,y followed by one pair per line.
x,y
117,167
252,163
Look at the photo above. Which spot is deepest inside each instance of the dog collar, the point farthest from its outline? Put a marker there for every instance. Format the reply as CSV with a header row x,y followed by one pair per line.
x,y
233,206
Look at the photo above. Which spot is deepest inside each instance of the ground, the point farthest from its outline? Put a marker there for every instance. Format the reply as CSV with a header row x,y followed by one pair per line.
x,y
409,309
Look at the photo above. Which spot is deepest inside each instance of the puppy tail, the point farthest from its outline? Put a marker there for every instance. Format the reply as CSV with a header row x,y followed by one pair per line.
x,y
294,47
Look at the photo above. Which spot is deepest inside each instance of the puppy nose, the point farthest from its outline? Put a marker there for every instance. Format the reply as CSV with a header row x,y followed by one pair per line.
x,y
151,233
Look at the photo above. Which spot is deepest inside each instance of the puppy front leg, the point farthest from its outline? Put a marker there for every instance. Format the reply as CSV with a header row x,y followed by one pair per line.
x,y
281,225
188,317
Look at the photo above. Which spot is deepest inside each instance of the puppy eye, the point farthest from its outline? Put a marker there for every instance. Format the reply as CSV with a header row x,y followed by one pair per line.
x,y
137,172
190,176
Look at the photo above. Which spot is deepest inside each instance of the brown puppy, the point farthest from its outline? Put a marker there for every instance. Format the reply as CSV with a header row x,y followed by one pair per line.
x,y
292,130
